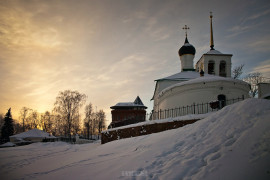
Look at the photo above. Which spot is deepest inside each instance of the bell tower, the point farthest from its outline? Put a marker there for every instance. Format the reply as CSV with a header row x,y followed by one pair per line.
x,y
214,62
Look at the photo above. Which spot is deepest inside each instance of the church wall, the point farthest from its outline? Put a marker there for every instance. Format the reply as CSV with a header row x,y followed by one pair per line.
x,y
161,85
201,93
187,61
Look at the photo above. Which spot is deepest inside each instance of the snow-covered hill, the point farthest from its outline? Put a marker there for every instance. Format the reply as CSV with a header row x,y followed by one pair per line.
x,y
233,143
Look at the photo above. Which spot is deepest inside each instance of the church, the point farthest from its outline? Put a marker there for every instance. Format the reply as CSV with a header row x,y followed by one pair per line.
x,y
210,79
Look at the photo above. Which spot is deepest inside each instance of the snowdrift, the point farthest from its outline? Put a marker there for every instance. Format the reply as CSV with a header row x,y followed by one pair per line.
x,y
233,143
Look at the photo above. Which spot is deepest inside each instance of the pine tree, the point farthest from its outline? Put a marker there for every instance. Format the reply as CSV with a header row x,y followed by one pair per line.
x,y
8,127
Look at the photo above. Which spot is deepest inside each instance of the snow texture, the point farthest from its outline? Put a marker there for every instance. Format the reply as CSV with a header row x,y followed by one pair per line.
x,y
233,143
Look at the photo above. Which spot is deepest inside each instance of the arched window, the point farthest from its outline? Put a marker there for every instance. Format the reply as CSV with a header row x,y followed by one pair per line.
x,y
222,69
222,100
211,67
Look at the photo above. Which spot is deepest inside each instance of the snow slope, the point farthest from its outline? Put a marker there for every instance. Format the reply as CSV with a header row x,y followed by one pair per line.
x,y
233,143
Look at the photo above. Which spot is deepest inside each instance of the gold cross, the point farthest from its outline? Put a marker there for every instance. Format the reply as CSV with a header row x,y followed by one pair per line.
x,y
185,28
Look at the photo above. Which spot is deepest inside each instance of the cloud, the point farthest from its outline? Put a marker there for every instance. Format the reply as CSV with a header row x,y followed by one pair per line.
x,y
264,68
258,15
261,44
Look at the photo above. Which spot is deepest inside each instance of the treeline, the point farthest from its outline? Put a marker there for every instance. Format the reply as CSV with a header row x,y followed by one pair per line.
x,y
65,118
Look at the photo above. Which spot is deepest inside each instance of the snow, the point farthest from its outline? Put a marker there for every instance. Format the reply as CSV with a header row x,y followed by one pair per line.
x,y
203,79
33,133
126,104
213,52
185,75
233,143
8,144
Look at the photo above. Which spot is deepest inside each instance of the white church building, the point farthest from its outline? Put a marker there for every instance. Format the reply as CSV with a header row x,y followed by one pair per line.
x,y
209,80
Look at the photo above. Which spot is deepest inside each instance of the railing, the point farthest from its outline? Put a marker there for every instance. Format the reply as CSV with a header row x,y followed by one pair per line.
x,y
200,108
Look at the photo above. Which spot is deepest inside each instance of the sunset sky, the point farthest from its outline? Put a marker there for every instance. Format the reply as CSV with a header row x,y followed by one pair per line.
x,y
113,50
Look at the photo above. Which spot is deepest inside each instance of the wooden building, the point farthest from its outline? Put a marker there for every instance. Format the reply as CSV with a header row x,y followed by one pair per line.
x,y
125,113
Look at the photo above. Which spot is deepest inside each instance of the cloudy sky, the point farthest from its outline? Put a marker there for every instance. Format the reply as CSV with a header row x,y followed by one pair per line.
x,y
113,50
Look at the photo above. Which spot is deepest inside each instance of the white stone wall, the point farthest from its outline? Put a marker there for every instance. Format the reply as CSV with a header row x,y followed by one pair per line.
x,y
201,93
159,87
187,61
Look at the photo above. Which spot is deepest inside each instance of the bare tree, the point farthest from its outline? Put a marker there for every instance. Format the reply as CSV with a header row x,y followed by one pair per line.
x,y
76,126
67,104
18,128
33,120
101,121
57,125
24,112
237,71
253,79
46,121
88,120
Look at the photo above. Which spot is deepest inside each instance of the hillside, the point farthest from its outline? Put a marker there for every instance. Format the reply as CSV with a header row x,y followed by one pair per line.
x,y
233,143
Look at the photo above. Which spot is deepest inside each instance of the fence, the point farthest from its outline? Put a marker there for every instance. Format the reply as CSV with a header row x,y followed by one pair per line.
x,y
192,109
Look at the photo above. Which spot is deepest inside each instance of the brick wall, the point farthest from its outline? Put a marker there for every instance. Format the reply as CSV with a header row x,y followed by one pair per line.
x,y
117,134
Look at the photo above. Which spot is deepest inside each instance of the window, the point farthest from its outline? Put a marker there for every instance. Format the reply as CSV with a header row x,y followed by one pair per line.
x,y
211,67
222,69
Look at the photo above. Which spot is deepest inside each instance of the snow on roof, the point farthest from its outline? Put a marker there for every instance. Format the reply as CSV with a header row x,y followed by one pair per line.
x,y
216,52
127,104
213,52
8,144
185,75
137,103
33,133
203,79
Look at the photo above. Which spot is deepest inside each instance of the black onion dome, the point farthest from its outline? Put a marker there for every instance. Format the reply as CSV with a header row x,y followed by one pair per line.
x,y
187,49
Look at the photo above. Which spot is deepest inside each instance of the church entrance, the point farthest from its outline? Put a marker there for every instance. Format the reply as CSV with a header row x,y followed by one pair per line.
x,y
222,100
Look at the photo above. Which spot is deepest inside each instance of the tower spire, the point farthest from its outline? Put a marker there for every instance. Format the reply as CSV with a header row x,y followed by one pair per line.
x,y
211,32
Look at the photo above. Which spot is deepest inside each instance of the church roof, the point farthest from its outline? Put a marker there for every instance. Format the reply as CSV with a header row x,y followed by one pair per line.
x,y
123,105
210,78
185,75
138,101
216,52
187,49
213,51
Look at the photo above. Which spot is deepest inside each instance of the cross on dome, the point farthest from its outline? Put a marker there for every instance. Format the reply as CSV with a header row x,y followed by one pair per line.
x,y
185,28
